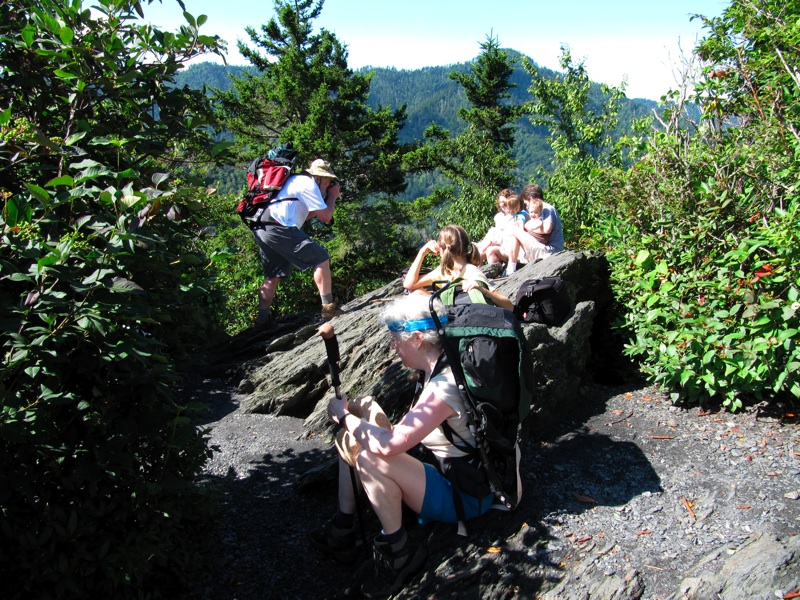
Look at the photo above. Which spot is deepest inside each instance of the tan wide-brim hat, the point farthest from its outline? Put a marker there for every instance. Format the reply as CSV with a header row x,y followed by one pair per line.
x,y
369,410
321,168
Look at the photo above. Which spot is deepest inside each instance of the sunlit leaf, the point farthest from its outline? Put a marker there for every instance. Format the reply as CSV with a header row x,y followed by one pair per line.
x,y
39,193
84,164
66,34
28,34
159,178
128,201
75,137
63,180
62,74
120,284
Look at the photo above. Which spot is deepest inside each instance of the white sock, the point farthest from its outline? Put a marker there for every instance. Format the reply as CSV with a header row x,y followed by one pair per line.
x,y
511,268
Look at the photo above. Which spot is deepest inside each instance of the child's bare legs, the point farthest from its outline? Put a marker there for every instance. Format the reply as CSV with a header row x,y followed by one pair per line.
x,y
495,254
511,247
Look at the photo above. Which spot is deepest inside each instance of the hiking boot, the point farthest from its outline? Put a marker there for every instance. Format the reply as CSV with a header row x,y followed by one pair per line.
x,y
331,310
261,324
339,544
393,565
263,320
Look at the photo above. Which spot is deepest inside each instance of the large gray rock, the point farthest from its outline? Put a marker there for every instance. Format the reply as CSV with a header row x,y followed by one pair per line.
x,y
291,376
764,566
561,356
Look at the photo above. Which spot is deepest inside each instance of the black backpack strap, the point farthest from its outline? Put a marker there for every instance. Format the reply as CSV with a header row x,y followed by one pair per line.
x,y
470,405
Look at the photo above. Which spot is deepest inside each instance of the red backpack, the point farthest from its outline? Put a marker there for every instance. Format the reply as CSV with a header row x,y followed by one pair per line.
x,y
266,175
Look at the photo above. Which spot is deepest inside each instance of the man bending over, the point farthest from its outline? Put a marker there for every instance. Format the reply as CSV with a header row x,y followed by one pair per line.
x,y
284,246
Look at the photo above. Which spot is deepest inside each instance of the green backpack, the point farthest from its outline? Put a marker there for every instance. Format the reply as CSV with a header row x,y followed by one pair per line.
x,y
489,355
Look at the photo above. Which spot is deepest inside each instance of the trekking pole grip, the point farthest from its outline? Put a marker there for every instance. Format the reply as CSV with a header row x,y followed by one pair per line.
x,y
332,349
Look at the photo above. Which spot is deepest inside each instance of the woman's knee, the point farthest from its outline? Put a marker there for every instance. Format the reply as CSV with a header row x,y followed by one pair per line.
x,y
369,465
375,466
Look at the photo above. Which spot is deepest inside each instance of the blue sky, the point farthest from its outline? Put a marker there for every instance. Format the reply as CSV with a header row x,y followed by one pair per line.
x,y
638,40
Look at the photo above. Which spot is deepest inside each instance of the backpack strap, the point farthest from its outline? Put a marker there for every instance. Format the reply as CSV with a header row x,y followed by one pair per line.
x,y
447,468
450,292
470,405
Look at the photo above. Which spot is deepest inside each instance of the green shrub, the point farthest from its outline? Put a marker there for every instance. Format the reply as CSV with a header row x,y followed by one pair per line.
x,y
702,233
97,460
98,298
714,309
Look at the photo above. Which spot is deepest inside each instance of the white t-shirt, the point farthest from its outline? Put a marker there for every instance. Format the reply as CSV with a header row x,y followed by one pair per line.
x,y
443,386
293,213
503,220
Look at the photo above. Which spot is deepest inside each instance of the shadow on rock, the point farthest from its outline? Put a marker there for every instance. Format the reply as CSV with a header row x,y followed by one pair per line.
x,y
580,470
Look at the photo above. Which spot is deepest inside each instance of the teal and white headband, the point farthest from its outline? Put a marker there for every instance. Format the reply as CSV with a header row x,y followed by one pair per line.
x,y
416,324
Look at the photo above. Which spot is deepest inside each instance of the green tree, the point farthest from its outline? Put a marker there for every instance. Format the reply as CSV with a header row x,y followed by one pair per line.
x,y
581,125
97,458
479,160
703,234
304,93
751,87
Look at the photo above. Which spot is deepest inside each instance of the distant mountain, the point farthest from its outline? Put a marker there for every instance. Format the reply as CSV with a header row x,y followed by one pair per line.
x,y
431,96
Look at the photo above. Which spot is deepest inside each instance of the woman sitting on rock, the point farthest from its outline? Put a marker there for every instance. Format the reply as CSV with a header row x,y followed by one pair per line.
x,y
503,219
459,259
389,475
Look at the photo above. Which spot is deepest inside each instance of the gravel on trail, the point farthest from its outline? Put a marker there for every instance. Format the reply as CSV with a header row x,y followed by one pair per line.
x,y
627,482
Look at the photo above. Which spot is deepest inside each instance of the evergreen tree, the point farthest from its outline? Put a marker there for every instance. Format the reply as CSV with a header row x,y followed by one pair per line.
x,y
478,161
304,93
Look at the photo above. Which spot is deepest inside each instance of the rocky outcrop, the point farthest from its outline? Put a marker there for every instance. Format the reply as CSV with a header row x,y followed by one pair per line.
x,y
287,373
563,356
763,566
604,513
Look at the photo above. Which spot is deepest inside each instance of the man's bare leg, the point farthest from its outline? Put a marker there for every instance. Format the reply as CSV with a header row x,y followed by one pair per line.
x,y
266,293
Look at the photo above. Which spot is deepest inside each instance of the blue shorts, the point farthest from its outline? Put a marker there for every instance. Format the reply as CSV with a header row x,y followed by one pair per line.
x,y
438,502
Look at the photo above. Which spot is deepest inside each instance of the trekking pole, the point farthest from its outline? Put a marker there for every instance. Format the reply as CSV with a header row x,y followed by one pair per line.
x,y
332,349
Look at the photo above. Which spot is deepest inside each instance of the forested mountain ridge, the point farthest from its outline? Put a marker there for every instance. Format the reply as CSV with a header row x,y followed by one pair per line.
x,y
430,96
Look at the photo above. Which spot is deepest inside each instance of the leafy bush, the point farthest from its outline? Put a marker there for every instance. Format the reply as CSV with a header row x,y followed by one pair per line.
x,y
97,458
715,310
702,231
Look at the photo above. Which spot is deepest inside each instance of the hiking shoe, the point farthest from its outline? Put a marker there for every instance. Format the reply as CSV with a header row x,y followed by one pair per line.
x,y
263,320
331,310
262,324
392,567
339,544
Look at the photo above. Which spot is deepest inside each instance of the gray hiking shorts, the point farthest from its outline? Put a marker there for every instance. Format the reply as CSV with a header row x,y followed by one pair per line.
x,y
284,248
